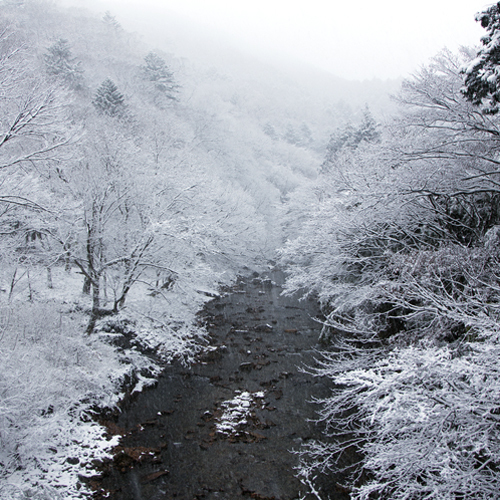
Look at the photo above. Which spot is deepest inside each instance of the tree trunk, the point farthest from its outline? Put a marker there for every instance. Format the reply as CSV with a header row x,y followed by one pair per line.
x,y
67,262
94,314
121,300
86,285
12,284
29,288
50,284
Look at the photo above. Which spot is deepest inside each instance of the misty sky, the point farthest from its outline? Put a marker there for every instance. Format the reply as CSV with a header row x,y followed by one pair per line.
x,y
355,40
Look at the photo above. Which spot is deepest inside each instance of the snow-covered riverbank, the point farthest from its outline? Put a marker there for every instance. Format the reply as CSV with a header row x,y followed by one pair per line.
x,y
54,377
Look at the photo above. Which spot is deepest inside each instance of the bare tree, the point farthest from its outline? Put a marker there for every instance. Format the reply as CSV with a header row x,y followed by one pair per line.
x,y
30,122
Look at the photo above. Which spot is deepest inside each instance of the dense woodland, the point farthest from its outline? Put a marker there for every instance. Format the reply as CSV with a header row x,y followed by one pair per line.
x,y
134,184
402,248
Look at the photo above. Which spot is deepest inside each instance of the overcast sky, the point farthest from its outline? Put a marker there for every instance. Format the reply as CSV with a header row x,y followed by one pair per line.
x,y
363,39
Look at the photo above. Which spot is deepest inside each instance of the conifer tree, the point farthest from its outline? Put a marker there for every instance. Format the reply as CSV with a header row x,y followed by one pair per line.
x,y
350,137
368,130
156,71
111,21
60,63
109,100
482,77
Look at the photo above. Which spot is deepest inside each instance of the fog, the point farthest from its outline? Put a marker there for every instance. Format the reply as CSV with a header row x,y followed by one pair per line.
x,y
365,40
178,179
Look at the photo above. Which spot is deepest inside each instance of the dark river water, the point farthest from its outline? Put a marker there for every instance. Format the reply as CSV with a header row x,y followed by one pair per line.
x,y
226,427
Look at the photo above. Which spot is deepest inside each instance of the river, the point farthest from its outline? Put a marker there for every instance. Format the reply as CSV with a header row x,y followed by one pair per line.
x,y
226,427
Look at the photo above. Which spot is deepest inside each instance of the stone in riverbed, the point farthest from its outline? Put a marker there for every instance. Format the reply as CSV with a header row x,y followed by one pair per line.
x,y
263,328
246,366
153,476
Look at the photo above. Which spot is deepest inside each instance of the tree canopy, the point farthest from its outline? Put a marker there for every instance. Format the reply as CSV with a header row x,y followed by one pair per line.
x,y
482,74
109,100
60,63
160,79
349,137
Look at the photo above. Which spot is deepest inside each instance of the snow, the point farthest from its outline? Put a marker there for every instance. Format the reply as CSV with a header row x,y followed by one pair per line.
x,y
142,383
53,377
236,412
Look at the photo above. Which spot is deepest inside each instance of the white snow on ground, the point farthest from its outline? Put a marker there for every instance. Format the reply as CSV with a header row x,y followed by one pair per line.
x,y
236,412
53,377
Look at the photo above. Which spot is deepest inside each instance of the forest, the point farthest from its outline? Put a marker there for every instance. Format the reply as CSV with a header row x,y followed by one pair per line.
x,y
135,185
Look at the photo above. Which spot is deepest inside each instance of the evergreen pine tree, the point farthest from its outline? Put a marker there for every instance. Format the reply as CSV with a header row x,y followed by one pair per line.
x,y
368,129
111,21
156,71
350,137
60,63
482,77
108,100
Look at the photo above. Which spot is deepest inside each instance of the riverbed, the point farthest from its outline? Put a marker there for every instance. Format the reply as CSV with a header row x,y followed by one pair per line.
x,y
227,426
